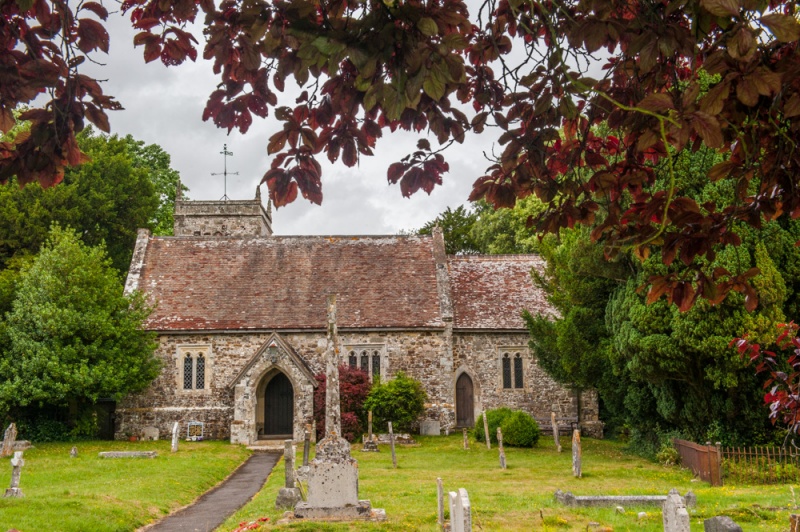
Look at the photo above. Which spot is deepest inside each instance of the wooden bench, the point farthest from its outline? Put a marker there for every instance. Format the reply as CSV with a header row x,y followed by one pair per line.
x,y
565,425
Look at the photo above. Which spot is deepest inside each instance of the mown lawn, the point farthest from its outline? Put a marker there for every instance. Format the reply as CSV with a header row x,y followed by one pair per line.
x,y
521,497
89,493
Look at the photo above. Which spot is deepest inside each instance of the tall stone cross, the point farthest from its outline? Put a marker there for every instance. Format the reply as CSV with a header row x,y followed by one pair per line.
x,y
333,406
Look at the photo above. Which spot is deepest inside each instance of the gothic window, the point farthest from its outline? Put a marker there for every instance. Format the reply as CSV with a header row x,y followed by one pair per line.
x,y
512,367
367,358
193,367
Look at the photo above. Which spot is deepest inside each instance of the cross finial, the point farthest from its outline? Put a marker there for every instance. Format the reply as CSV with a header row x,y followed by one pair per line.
x,y
225,153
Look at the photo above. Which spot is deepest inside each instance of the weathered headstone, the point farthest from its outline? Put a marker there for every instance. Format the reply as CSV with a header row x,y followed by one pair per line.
x,y
175,430
391,443
73,453
466,509
369,445
500,447
554,423
128,454
576,453
150,434
306,447
440,502
333,473
466,440
430,427
675,515
456,513
486,432
9,438
721,523
288,495
16,470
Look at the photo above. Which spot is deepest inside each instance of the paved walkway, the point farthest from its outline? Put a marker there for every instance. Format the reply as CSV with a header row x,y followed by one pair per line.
x,y
216,505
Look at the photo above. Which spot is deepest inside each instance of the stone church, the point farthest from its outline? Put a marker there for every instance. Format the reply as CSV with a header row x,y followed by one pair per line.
x,y
241,318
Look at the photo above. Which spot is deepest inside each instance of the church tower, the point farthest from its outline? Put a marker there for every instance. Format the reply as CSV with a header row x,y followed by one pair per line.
x,y
222,218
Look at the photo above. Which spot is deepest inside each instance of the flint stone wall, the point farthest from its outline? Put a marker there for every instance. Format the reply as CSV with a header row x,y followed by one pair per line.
x,y
429,356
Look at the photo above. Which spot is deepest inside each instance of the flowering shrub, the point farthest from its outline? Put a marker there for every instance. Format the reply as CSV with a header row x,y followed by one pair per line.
x,y
354,386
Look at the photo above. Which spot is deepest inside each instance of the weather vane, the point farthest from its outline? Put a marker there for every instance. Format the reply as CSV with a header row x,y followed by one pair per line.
x,y
224,173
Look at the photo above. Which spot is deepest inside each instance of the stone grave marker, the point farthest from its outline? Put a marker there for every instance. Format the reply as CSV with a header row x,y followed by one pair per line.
x,y
9,438
175,431
430,427
73,453
466,509
576,453
288,495
554,424
306,446
150,434
721,523
466,440
500,447
675,515
439,502
16,470
456,513
333,473
486,432
369,445
128,454
391,443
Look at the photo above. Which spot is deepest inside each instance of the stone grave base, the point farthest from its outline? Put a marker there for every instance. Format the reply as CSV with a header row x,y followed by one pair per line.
x,y
287,498
13,492
128,454
362,511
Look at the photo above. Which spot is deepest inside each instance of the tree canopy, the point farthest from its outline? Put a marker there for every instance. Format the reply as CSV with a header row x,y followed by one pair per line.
x,y
72,335
538,77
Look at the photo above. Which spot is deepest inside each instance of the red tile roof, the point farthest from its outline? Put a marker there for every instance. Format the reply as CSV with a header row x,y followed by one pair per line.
x,y
490,291
203,283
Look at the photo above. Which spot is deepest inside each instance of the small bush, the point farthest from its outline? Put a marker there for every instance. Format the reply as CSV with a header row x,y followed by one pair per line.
x,y
44,430
668,455
520,430
494,418
400,400
354,387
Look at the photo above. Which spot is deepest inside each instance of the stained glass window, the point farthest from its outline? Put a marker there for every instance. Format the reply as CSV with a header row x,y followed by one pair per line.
x,y
376,364
506,371
364,361
201,372
517,371
187,372
353,360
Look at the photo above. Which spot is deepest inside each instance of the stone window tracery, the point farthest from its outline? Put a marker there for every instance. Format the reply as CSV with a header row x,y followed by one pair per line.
x,y
367,358
193,367
512,367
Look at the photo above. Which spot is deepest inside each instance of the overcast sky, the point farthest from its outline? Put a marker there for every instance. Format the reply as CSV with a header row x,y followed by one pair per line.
x,y
164,106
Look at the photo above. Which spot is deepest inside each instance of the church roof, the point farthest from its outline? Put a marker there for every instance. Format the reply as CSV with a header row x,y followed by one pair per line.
x,y
491,291
208,283
202,283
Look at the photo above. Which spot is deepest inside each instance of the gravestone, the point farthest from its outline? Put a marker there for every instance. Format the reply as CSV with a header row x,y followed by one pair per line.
x,y
333,473
289,494
554,423
430,427
466,440
439,502
466,509
73,453
150,434
486,432
22,445
576,453
675,515
370,446
128,454
456,513
306,447
175,431
9,438
16,470
391,443
500,447
721,523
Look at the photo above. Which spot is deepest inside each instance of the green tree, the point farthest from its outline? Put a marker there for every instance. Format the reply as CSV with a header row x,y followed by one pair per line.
x,y
73,336
456,225
400,400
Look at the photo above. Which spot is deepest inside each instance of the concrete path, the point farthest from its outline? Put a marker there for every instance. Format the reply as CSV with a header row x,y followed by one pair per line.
x,y
219,503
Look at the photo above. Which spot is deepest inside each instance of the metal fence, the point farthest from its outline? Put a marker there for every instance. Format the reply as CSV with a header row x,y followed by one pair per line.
x,y
761,465
704,460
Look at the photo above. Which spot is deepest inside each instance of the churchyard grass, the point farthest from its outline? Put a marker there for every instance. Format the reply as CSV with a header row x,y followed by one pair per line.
x,y
521,497
88,493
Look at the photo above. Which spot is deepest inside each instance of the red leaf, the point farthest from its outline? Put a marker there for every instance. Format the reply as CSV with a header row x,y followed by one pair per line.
x,y
91,36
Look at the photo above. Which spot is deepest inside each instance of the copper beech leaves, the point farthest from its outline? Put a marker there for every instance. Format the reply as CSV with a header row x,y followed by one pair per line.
x,y
676,76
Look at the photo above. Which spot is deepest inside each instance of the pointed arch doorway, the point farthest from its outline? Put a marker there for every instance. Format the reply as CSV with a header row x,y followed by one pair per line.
x,y
278,407
465,401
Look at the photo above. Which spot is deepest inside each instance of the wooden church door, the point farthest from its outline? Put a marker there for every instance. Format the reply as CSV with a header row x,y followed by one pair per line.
x,y
279,406
465,413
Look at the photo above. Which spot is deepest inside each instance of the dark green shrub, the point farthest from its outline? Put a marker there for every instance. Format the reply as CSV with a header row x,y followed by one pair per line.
x,y
494,418
520,430
400,400
44,430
